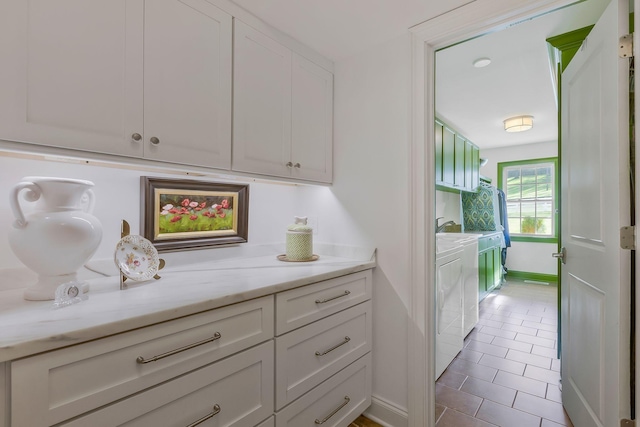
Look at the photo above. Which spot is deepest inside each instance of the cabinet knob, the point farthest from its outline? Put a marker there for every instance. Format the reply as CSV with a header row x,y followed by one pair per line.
x,y
136,137
297,165
154,140
289,165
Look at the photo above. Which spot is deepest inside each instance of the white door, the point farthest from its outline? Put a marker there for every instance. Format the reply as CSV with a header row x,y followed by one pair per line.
x,y
187,83
595,198
311,121
261,103
71,73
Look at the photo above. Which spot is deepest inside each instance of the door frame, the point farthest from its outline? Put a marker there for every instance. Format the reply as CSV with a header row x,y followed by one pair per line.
x,y
471,20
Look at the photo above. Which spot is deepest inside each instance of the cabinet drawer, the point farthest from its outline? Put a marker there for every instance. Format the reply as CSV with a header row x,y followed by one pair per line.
x,y
297,307
55,386
310,355
241,387
339,400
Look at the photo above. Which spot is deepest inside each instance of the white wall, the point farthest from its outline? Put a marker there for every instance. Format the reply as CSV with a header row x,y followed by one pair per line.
x,y
271,206
524,256
371,184
448,206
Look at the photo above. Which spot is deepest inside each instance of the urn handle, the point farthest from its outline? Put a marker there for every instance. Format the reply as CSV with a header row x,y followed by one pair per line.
x,y
90,197
33,193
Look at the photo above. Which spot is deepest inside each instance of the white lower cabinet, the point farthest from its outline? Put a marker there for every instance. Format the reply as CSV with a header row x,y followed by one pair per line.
x,y
323,367
219,368
334,403
237,391
52,387
309,355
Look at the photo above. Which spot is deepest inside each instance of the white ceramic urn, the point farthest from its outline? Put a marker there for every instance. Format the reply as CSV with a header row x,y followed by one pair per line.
x,y
59,234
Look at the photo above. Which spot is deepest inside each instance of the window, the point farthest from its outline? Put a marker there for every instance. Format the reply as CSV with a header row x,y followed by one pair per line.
x,y
530,187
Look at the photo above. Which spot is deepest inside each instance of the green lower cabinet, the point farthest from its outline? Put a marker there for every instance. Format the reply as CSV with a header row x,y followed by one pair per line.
x,y
489,266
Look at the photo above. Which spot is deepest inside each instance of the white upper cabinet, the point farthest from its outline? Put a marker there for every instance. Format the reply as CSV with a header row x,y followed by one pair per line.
x,y
72,73
261,103
283,110
312,121
187,83
165,80
108,76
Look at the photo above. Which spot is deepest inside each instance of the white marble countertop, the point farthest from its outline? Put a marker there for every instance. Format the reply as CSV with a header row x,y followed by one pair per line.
x,y
191,282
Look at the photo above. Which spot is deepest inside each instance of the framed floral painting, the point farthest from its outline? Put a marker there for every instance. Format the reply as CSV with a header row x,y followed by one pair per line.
x,y
188,214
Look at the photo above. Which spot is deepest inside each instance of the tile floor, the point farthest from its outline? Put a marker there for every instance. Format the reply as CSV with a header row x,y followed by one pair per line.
x,y
507,374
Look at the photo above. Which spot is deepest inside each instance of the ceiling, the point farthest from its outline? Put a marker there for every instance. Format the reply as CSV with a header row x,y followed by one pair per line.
x,y
475,101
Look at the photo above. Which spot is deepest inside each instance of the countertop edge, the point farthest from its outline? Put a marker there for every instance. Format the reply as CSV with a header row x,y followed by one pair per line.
x,y
30,347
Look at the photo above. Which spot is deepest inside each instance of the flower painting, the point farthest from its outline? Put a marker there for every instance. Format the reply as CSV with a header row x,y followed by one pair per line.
x,y
181,214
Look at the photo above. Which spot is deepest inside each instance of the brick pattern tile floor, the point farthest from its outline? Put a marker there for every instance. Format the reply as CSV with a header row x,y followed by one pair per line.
x,y
507,374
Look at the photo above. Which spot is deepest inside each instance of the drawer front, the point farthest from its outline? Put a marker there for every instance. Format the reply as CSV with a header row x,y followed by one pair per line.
x,y
300,306
52,387
337,401
237,391
310,355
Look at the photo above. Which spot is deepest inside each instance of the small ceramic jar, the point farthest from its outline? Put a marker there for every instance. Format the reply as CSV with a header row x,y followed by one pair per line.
x,y
299,240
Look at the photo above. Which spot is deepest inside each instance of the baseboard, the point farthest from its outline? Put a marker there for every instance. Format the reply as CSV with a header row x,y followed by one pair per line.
x,y
386,413
536,277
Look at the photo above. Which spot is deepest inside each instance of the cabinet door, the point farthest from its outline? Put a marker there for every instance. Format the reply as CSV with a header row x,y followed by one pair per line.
x,y
311,121
187,83
497,266
475,167
261,103
72,73
438,151
459,173
468,165
482,275
448,153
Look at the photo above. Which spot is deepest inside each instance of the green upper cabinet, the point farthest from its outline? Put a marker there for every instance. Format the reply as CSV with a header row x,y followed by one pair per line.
x,y
457,160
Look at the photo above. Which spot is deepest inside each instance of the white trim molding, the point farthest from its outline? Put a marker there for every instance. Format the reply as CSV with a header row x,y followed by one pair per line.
x,y
386,413
471,20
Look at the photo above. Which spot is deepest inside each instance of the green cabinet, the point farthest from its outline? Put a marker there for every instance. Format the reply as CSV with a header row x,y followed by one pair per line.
x,y
457,160
489,264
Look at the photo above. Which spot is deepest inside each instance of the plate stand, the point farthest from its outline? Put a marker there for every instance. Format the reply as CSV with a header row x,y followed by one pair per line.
x,y
125,231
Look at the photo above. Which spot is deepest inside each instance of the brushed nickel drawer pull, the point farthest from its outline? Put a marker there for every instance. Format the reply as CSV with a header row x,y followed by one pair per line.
x,y
322,353
322,301
335,411
216,410
142,360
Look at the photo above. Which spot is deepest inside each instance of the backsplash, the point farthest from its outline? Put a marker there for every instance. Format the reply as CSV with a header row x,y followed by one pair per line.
x,y
272,206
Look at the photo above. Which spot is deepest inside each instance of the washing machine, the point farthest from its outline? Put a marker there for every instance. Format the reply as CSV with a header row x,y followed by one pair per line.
x,y
449,309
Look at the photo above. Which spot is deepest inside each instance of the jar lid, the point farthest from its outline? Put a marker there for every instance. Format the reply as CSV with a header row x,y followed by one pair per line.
x,y
300,225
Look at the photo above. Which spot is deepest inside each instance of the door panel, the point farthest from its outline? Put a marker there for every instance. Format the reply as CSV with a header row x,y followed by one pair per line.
x,y
187,83
595,194
72,73
261,103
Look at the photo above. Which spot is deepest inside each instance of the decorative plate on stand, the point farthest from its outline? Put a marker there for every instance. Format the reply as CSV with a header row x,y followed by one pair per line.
x,y
137,258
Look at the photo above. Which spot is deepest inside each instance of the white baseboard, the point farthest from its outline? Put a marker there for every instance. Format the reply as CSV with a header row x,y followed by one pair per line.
x,y
386,413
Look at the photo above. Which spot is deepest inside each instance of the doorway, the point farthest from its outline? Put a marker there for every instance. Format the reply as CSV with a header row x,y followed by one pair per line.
x,y
434,35
508,369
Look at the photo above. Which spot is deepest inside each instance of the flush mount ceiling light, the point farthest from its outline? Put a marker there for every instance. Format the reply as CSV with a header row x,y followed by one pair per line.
x,y
518,124
481,62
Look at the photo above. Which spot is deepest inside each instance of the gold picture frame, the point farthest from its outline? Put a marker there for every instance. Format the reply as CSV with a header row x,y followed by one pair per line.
x,y
188,214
